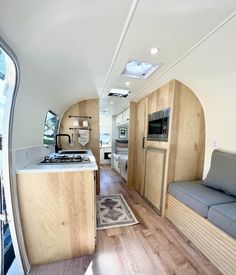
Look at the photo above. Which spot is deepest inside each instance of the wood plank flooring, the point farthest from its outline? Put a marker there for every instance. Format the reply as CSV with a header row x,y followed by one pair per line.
x,y
154,246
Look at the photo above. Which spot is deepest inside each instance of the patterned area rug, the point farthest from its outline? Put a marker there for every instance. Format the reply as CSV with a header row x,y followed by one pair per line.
x,y
113,211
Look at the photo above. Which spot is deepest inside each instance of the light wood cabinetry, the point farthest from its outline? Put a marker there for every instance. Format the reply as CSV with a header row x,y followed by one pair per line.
x,y
160,99
154,176
186,140
132,146
141,135
57,214
89,107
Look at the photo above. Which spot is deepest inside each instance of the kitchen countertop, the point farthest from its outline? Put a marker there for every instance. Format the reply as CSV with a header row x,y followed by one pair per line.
x,y
62,167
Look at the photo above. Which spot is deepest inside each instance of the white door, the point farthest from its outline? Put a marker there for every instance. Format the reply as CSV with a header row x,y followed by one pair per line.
x,y
8,86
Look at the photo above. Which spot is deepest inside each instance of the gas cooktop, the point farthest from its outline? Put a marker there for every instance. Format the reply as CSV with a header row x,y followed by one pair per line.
x,y
64,159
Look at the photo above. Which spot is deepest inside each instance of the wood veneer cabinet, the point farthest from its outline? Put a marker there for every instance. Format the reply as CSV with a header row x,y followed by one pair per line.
x,y
154,176
57,214
141,135
185,148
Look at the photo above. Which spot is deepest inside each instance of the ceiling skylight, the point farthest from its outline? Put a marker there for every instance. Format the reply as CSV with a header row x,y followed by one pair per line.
x,y
139,69
119,92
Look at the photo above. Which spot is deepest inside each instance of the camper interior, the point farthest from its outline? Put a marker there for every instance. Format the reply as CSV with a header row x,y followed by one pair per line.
x,y
117,137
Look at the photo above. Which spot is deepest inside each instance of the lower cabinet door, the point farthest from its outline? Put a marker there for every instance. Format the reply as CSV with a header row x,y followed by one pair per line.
x,y
154,177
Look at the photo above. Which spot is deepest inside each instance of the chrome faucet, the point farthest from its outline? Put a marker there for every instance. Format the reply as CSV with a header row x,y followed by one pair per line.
x,y
56,144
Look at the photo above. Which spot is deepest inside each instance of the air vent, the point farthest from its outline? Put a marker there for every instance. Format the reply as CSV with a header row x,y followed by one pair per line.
x,y
139,69
119,92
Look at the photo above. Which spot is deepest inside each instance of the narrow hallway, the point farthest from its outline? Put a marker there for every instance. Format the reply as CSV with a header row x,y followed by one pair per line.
x,y
154,246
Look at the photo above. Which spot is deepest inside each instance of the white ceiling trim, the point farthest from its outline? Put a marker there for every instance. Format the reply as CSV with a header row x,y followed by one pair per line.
x,y
120,42
138,94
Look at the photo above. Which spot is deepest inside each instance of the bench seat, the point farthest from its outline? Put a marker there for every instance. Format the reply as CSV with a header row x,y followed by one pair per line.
x,y
224,216
198,196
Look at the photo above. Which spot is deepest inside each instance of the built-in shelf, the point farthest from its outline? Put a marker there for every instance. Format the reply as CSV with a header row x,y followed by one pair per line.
x,y
81,116
77,128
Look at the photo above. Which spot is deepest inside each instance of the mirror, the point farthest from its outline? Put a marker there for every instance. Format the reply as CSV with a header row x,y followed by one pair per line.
x,y
50,128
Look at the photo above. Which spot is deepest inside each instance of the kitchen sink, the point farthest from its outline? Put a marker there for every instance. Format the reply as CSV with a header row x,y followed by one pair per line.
x,y
81,152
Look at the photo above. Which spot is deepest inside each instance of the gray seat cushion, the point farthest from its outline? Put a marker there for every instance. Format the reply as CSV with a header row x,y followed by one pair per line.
x,y
222,174
197,196
224,216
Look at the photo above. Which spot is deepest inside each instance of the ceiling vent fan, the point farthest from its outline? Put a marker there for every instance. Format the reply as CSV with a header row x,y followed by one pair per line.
x,y
119,92
139,69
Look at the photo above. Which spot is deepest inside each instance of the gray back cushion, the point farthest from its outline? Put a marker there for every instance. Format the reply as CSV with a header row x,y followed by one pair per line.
x,y
222,174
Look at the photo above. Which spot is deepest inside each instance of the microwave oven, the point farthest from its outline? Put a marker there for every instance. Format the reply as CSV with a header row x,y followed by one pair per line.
x,y
158,125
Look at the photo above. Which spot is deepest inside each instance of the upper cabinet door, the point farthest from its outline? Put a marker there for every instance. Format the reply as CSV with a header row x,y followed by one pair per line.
x,y
122,118
119,119
126,115
141,134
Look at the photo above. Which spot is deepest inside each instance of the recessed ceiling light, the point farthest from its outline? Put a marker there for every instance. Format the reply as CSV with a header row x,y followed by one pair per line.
x,y
139,69
111,102
127,83
154,51
119,92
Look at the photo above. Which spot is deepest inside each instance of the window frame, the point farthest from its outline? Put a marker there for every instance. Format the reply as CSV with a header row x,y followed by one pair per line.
x,y
57,127
8,168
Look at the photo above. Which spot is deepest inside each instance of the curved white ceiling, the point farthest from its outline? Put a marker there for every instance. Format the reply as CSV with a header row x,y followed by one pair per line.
x,y
64,48
173,27
71,50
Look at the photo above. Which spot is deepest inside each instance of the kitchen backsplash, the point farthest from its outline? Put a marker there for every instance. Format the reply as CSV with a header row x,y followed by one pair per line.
x,y
31,155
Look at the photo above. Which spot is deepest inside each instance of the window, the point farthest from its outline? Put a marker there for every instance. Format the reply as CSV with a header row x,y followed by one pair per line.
x,y
7,86
50,128
105,129
105,139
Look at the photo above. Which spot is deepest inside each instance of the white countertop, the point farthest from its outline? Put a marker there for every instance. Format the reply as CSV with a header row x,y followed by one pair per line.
x,y
64,167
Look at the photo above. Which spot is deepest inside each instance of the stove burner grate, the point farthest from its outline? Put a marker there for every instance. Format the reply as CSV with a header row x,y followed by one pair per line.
x,y
62,159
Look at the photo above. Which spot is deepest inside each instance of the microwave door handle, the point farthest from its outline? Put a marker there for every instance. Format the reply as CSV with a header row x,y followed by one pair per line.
x,y
143,142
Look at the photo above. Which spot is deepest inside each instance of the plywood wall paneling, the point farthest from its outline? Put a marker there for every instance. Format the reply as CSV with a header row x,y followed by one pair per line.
x,y
131,145
187,136
160,99
88,107
58,215
141,141
172,140
189,162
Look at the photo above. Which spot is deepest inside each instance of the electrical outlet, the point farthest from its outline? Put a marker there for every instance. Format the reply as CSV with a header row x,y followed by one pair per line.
x,y
215,144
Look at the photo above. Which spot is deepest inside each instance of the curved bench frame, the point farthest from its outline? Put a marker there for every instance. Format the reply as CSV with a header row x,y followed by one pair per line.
x,y
215,244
